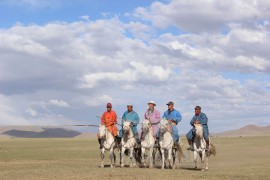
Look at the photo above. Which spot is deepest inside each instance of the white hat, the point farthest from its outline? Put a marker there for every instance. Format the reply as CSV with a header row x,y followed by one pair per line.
x,y
130,105
152,102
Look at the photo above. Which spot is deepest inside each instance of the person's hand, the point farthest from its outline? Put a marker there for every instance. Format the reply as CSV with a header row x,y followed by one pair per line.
x,y
172,122
196,122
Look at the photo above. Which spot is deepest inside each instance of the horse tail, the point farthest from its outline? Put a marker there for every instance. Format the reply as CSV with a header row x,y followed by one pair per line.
x,y
212,149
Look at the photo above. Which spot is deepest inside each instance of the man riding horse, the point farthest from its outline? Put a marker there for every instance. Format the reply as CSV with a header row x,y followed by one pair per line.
x,y
198,118
153,116
174,117
133,117
109,118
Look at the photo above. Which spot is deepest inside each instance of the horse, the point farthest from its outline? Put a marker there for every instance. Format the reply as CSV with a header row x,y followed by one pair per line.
x,y
199,146
128,142
109,144
167,144
147,142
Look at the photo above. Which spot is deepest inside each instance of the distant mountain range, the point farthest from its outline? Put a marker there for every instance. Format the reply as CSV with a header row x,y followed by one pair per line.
x,y
58,132
249,130
37,132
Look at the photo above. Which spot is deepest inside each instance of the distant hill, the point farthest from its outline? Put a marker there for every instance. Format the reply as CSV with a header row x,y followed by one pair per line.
x,y
37,132
249,130
87,135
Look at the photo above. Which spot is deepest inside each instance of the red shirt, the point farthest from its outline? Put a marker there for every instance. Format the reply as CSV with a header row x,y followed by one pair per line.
x,y
109,118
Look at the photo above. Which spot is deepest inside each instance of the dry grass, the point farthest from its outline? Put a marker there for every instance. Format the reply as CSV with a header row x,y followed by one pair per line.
x,y
237,158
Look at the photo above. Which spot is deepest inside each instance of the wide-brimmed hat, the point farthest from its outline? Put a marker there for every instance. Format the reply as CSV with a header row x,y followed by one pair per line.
x,y
152,102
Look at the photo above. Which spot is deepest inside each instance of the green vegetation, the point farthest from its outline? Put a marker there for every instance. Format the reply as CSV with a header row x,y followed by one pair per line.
x,y
237,158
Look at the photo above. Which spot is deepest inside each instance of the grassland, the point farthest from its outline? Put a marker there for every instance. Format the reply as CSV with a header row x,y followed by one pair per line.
x,y
237,158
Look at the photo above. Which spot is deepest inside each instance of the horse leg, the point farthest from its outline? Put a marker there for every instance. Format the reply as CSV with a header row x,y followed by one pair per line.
x,y
111,156
206,163
131,157
151,157
203,160
195,159
143,160
102,154
170,157
122,157
154,156
163,158
173,156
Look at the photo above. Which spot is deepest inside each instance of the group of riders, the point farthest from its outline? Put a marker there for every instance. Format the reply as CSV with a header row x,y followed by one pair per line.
x,y
109,118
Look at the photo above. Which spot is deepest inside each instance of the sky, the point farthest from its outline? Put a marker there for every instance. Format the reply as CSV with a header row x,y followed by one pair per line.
x,y
61,61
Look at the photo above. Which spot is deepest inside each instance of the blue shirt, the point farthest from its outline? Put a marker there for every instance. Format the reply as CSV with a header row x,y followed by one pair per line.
x,y
132,117
202,118
173,115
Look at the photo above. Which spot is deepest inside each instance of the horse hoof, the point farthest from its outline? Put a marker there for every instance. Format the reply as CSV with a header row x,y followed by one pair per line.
x,y
173,167
122,165
102,166
112,166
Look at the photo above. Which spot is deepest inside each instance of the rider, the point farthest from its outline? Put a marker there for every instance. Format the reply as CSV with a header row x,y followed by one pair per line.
x,y
174,117
153,116
109,118
198,118
133,117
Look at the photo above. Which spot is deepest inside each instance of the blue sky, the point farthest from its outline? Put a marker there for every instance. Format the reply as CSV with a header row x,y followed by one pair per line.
x,y
62,61
42,12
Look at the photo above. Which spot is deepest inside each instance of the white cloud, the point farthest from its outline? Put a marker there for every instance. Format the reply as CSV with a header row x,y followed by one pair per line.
x,y
31,112
59,103
83,65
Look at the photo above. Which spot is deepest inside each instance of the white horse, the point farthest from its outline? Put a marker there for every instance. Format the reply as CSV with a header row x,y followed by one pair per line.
x,y
128,142
147,142
199,145
166,144
109,144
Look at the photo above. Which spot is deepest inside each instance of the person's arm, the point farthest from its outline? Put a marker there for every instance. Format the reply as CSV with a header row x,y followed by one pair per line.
x,y
145,115
114,118
123,118
136,119
158,117
203,119
164,115
177,117
103,119
192,121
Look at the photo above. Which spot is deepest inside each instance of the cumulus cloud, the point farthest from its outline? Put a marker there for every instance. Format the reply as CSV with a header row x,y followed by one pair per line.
x,y
59,103
203,15
66,72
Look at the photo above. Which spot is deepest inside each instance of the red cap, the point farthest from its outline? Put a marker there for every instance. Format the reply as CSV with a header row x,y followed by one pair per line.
x,y
109,105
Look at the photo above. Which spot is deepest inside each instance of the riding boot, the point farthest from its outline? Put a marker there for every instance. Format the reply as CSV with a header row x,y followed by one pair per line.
x,y
101,141
138,143
118,140
190,145
156,143
207,145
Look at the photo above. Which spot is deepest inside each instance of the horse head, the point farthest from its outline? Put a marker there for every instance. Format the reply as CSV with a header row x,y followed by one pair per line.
x,y
164,123
127,127
146,125
102,130
199,130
